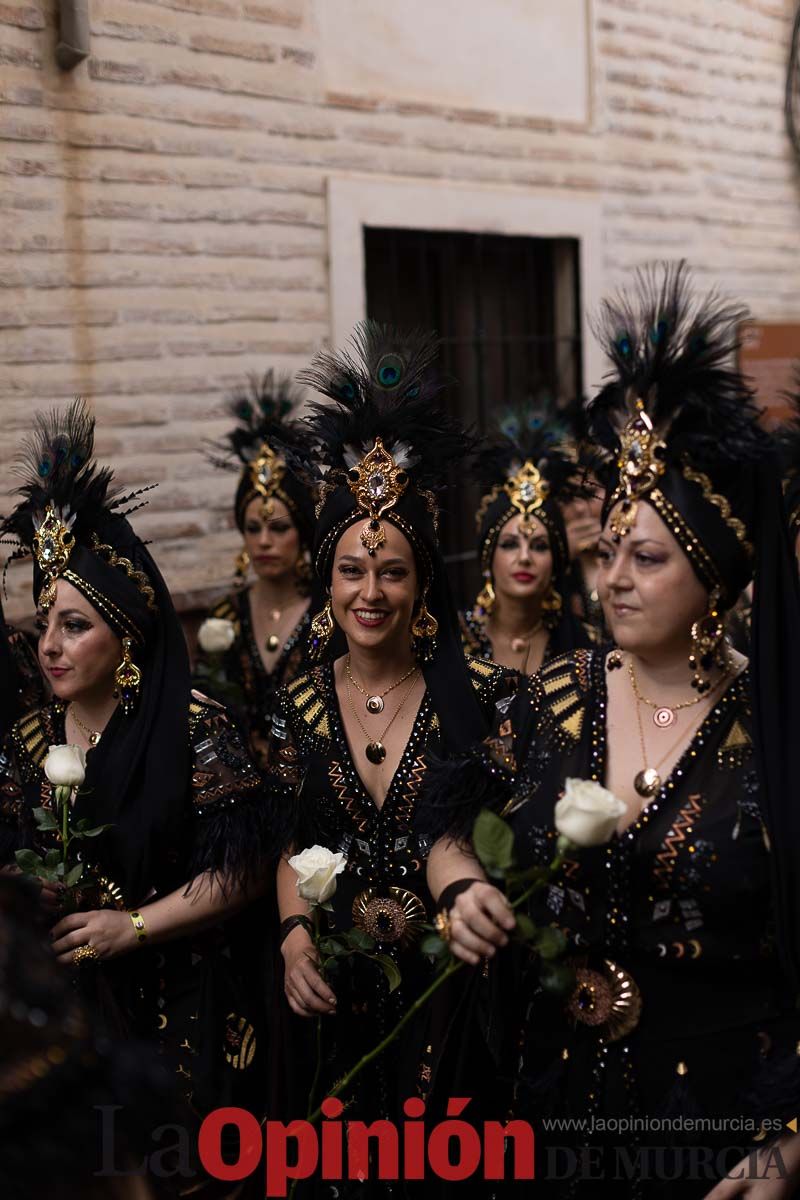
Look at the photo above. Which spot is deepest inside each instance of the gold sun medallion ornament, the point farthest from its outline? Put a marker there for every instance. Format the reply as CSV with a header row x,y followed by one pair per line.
x,y
377,484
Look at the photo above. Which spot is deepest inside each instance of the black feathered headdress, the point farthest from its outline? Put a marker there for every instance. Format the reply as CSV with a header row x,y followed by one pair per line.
x,y
74,524
258,445
681,421
384,448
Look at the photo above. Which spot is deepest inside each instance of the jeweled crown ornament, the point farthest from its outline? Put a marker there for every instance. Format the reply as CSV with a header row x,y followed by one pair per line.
x,y
53,542
641,462
377,483
527,490
266,472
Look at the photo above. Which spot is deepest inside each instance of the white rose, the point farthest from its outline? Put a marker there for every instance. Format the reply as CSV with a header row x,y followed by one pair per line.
x,y
65,766
587,813
216,635
316,870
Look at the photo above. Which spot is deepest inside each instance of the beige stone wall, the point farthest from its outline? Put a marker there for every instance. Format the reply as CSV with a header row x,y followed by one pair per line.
x,y
164,216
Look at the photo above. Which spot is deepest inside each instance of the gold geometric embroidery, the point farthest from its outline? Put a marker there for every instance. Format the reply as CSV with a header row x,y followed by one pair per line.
x,y
322,727
301,681
310,715
737,738
574,724
555,683
304,697
558,706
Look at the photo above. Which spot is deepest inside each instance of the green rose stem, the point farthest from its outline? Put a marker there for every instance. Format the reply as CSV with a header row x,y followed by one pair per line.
x,y
318,1069
63,795
419,1003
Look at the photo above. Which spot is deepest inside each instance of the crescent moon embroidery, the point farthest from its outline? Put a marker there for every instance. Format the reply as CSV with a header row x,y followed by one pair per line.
x,y
662,949
403,870
680,949
162,1021
696,948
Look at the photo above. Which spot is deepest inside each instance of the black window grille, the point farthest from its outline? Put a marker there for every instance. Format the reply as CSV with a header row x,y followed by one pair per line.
x,y
507,310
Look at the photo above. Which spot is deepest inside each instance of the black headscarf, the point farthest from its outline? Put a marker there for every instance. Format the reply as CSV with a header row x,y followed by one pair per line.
x,y
136,778
9,680
788,442
682,422
386,389
256,448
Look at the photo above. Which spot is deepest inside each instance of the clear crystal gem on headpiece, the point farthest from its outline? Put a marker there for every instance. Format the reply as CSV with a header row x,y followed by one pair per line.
x,y
377,484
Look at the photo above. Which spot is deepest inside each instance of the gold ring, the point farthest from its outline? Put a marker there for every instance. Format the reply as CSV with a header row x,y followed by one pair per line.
x,y
441,923
83,955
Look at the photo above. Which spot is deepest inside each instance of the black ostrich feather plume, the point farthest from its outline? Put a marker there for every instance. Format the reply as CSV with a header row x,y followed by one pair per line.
x,y
384,385
56,465
262,409
675,353
787,435
528,433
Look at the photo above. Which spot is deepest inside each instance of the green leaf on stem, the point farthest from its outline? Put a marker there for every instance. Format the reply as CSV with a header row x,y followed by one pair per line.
x,y
493,841
44,819
528,876
52,858
72,876
550,942
28,861
333,947
433,946
359,940
389,968
91,833
557,978
525,927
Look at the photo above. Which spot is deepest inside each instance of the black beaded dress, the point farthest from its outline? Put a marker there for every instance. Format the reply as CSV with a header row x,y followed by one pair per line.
x,y
198,997
476,641
681,1009
312,769
248,689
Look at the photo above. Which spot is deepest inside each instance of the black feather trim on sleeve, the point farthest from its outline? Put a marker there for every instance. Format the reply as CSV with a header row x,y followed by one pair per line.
x,y
238,840
457,789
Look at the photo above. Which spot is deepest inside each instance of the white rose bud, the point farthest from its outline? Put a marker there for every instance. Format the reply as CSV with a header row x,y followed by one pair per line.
x,y
65,766
216,635
316,870
587,813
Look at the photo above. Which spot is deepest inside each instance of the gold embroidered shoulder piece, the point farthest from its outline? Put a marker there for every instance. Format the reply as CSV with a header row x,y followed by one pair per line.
x,y
308,706
560,692
32,736
485,675
226,610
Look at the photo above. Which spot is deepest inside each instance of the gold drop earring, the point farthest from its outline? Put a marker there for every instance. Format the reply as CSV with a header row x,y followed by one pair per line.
x,y
485,599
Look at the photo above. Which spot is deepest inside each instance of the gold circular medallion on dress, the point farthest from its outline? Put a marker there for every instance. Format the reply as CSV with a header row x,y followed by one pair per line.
x,y
375,752
664,717
273,641
647,782
374,705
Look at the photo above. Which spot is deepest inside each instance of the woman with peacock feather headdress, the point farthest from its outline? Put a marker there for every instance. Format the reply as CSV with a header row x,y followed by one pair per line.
x,y
681,914
354,735
128,798
254,639
521,616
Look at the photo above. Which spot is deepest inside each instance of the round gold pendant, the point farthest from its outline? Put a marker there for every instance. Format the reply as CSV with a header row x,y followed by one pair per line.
x,y
648,782
374,705
518,645
375,752
273,641
664,717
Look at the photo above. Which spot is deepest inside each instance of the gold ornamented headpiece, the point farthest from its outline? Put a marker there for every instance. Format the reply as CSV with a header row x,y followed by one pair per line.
x,y
266,472
377,484
527,490
641,463
53,543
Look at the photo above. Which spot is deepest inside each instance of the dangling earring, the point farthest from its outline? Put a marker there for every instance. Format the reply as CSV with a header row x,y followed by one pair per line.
x,y
614,661
322,628
424,628
551,607
127,680
484,601
242,562
303,573
708,645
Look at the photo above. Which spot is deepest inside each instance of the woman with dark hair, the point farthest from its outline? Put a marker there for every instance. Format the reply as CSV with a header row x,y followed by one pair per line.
x,y
255,639
684,929
521,617
352,736
187,836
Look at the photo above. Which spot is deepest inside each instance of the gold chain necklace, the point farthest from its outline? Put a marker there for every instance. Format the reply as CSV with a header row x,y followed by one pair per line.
x,y
376,751
92,735
664,714
374,704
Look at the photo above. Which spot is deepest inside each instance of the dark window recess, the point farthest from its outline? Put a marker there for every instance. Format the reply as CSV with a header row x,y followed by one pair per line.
x,y
507,311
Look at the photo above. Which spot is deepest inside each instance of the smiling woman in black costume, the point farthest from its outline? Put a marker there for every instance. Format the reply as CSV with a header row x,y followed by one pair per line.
x,y
274,512
683,930
352,737
189,838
